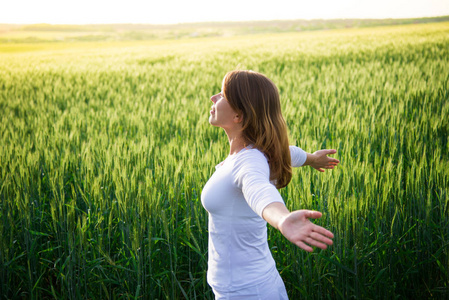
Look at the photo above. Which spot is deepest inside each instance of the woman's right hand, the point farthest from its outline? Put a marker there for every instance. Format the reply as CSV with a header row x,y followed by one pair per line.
x,y
298,229
296,226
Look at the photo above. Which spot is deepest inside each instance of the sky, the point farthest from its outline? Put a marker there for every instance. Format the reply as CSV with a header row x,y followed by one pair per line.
x,y
186,11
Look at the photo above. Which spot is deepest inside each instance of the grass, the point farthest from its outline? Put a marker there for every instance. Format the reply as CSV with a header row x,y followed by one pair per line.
x,y
105,148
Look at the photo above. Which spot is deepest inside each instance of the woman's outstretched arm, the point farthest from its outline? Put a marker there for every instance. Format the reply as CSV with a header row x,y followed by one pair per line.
x,y
296,226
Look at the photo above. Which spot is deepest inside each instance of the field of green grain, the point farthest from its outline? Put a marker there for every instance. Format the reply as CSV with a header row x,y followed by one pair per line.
x,y
105,148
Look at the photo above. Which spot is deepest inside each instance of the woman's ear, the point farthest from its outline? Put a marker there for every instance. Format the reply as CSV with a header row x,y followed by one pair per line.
x,y
238,118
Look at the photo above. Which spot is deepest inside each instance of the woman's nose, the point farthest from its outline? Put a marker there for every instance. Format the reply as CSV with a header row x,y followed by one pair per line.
x,y
214,98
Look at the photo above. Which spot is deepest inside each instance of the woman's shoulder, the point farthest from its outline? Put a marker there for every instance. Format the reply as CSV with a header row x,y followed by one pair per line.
x,y
251,152
250,164
250,157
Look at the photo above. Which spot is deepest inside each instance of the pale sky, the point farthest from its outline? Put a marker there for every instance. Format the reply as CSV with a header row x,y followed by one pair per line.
x,y
182,11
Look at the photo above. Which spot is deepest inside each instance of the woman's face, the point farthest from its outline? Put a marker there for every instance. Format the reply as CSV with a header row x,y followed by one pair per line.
x,y
221,113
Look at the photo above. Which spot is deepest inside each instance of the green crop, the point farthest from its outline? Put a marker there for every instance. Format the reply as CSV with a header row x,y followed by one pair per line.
x,y
105,148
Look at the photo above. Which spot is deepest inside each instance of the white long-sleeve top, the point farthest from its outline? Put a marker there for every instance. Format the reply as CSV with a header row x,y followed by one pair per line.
x,y
235,197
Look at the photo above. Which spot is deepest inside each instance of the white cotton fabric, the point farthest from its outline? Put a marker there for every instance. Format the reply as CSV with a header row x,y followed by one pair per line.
x,y
272,289
298,155
240,264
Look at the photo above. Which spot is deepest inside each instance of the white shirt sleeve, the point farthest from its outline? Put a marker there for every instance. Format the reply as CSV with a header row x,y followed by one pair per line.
x,y
298,155
252,175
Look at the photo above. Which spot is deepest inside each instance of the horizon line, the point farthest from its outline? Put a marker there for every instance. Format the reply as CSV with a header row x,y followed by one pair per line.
x,y
230,21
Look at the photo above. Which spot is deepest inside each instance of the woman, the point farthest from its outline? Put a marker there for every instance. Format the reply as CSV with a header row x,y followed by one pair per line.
x,y
241,196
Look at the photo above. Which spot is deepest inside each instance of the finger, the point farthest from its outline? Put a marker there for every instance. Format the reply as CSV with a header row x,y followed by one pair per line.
x,y
313,214
330,151
302,245
322,231
315,243
321,238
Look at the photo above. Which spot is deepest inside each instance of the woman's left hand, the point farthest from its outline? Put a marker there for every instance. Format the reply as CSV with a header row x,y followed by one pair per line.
x,y
319,160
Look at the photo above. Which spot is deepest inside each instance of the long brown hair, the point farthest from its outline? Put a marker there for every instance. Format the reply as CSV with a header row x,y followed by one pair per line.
x,y
257,98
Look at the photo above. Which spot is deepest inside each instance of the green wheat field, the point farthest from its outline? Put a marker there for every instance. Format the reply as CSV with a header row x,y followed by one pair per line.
x,y
105,147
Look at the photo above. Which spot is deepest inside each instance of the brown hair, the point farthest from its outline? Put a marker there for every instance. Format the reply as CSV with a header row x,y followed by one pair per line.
x,y
257,98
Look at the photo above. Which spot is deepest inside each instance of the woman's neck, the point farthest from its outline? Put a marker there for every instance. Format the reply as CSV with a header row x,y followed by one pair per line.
x,y
236,142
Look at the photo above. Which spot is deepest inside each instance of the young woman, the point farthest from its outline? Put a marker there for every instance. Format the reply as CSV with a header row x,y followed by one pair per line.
x,y
242,196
